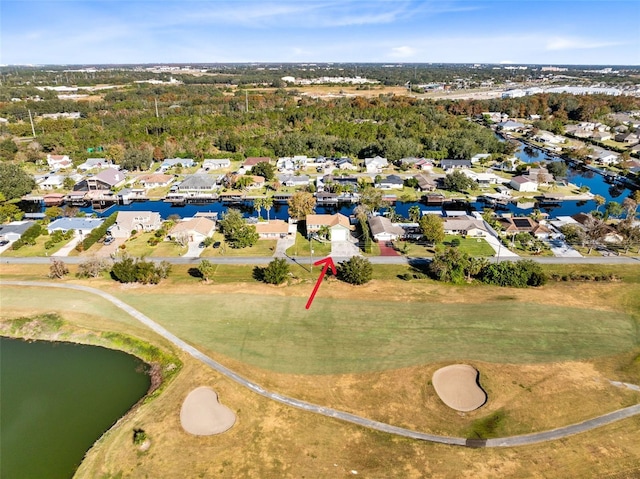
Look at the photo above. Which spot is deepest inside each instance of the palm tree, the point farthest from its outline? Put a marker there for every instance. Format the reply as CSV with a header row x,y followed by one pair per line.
x,y
414,213
257,205
267,204
599,201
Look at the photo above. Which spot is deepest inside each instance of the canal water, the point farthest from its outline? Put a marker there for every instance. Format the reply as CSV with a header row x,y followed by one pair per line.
x,y
57,399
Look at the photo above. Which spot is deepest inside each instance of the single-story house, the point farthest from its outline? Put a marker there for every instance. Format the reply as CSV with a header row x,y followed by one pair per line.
x,y
195,229
382,229
375,164
12,231
294,180
610,234
479,157
59,162
483,179
425,182
452,164
98,163
51,182
338,225
273,229
419,163
601,135
524,224
155,180
510,125
627,138
84,226
523,183
215,164
541,175
128,221
344,163
465,226
197,182
254,160
172,162
391,182
256,182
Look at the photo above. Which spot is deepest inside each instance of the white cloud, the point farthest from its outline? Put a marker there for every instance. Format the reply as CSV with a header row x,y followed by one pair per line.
x,y
402,52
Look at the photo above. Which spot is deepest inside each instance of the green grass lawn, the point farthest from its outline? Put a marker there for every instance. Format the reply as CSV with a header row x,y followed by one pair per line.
x,y
138,246
37,249
471,246
341,336
302,247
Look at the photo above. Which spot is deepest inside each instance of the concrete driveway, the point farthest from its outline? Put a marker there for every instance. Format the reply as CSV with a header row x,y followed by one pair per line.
x,y
283,245
501,250
561,249
344,249
193,250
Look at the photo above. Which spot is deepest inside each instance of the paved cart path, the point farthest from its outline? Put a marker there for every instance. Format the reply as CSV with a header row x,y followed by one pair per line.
x,y
334,413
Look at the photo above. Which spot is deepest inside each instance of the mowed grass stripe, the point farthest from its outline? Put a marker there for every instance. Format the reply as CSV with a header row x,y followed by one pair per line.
x,y
339,336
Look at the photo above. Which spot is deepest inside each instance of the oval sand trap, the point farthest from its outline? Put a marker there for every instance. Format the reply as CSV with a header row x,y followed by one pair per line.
x,y
203,415
458,388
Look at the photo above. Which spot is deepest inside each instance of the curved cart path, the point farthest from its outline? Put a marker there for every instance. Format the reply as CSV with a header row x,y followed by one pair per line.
x,y
334,413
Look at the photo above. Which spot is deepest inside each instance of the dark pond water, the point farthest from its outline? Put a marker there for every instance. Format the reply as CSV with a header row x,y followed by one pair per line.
x,y
57,399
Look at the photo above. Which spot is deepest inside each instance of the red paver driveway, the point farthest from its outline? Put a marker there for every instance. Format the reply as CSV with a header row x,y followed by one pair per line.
x,y
386,249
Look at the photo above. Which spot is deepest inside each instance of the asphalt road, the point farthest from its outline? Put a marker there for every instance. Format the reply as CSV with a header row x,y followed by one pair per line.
x,y
334,413
305,260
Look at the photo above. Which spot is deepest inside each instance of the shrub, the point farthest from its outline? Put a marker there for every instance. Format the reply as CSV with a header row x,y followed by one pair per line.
x,y
357,270
97,233
518,274
93,267
130,270
276,271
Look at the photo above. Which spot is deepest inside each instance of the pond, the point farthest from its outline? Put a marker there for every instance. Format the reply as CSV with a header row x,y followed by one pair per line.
x,y
57,400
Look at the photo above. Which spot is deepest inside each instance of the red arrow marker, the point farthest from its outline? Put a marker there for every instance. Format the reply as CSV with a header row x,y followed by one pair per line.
x,y
328,263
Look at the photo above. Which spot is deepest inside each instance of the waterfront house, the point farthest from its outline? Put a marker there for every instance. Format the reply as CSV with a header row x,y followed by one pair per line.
x,y
155,180
128,221
194,229
465,225
338,225
524,224
197,183
273,229
627,138
51,182
83,226
523,183
510,125
104,180
382,229
294,180
425,182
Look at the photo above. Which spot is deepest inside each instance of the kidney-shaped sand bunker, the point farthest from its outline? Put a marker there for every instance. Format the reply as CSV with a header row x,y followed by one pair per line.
x,y
203,415
457,386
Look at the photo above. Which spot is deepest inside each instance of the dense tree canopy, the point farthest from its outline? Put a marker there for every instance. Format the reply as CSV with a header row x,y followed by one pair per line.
x,y
14,181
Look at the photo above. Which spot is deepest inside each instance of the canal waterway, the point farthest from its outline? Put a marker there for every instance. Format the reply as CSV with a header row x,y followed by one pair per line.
x,y
57,400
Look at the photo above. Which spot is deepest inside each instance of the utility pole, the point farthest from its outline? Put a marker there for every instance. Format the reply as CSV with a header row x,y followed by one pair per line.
x,y
246,101
33,130
157,115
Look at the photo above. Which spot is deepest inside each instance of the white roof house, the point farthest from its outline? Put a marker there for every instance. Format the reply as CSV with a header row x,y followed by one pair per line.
x,y
128,221
216,164
82,225
523,183
375,164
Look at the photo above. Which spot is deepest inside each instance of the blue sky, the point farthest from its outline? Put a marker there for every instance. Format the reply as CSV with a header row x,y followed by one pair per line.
x,y
604,32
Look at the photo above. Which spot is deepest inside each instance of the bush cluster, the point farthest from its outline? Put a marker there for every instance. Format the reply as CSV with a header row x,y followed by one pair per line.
x,y
136,270
357,270
518,274
28,237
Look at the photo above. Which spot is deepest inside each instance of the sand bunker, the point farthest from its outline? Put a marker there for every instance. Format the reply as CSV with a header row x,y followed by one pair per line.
x,y
203,415
458,388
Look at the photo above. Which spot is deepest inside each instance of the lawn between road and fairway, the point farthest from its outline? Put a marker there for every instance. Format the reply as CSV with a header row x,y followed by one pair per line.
x,y
528,397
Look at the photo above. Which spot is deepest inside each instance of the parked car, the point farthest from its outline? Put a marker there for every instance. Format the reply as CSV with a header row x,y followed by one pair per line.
x,y
4,242
108,240
202,245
